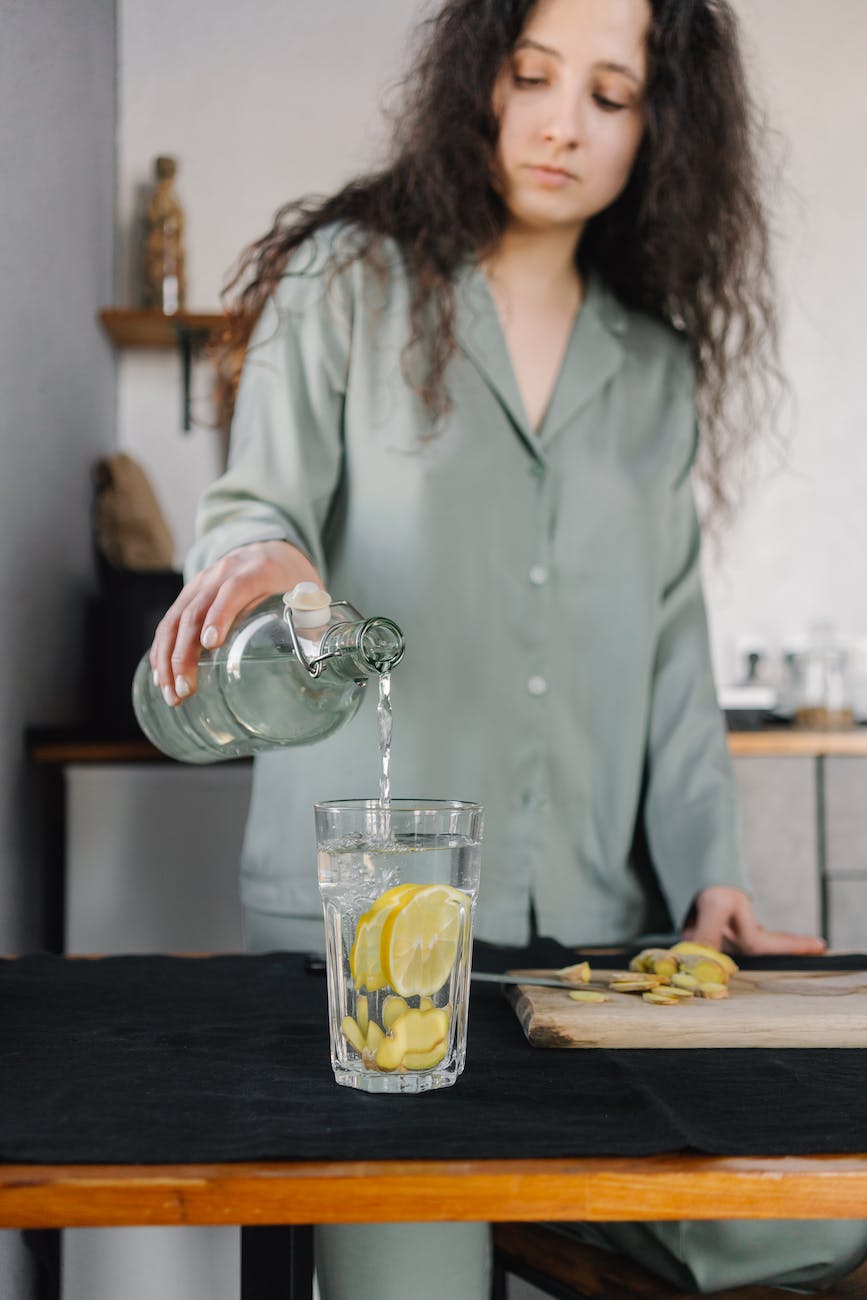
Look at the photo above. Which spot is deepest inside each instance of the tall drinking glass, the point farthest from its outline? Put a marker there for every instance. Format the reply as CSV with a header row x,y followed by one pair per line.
x,y
399,883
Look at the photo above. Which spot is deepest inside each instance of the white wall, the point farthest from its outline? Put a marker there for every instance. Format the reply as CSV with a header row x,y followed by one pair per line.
x,y
799,549
261,102
57,85
57,111
273,99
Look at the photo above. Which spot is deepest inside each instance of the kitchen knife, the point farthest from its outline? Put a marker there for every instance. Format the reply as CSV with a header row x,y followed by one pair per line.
x,y
489,978
315,965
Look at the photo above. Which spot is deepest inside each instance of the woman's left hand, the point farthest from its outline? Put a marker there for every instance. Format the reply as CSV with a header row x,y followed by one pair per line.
x,y
723,917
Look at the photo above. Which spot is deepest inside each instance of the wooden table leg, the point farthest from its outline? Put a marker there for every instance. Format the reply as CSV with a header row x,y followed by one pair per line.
x,y
277,1263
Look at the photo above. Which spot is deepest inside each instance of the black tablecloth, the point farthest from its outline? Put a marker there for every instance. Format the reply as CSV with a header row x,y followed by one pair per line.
x,y
159,1059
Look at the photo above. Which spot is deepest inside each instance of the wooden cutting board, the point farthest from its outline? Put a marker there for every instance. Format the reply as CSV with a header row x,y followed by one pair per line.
x,y
764,1009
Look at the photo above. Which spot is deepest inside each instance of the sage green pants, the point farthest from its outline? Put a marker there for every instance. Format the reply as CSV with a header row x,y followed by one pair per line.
x,y
430,1261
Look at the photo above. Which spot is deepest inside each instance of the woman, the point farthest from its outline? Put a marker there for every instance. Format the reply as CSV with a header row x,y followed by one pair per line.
x,y
469,402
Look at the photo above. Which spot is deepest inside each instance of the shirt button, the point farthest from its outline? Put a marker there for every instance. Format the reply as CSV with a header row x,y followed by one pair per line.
x,y
538,575
537,686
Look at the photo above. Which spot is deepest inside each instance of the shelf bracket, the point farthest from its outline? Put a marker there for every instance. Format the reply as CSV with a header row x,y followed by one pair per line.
x,y
190,341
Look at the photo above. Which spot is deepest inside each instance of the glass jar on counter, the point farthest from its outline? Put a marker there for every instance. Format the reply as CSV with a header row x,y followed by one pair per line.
x,y
824,699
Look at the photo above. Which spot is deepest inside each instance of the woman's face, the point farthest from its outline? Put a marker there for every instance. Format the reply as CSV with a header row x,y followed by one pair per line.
x,y
570,103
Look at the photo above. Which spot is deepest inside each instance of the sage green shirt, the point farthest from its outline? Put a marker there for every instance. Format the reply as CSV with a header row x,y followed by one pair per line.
x,y
557,665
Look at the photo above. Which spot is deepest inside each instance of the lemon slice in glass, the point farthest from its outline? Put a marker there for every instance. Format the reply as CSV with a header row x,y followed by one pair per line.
x,y
391,896
420,939
364,957
364,963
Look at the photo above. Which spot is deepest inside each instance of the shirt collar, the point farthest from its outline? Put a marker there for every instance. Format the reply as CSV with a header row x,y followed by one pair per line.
x,y
593,353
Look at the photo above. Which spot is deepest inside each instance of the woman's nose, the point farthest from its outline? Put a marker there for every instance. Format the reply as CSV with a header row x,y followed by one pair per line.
x,y
565,124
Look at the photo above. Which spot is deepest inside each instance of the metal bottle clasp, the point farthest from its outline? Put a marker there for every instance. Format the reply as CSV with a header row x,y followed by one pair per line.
x,y
313,666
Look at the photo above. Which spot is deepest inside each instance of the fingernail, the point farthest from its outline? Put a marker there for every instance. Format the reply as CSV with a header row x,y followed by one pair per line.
x,y
169,695
209,637
156,678
182,686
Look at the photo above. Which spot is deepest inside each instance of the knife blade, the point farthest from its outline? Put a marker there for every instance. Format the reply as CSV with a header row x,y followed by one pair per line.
x,y
540,980
315,965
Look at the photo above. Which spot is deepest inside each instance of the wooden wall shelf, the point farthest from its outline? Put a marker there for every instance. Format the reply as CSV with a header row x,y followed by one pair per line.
x,y
187,332
131,327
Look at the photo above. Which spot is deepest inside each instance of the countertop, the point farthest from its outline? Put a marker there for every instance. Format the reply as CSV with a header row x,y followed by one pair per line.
x,y
792,742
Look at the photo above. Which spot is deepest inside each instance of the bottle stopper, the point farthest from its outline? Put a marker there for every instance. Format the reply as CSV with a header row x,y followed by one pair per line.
x,y
310,605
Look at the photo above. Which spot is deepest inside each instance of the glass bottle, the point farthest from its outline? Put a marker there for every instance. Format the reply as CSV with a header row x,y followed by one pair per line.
x,y
291,671
790,668
164,279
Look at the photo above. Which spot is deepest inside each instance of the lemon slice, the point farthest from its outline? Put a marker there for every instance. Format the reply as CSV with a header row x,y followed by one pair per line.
x,y
364,963
392,896
364,957
420,939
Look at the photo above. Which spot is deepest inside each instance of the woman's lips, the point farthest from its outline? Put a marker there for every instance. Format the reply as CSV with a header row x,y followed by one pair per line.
x,y
551,177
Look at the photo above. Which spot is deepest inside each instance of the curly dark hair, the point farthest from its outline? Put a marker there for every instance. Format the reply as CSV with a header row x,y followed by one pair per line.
x,y
686,241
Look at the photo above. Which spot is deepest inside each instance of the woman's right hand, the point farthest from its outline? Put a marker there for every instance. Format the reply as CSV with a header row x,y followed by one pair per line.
x,y
209,603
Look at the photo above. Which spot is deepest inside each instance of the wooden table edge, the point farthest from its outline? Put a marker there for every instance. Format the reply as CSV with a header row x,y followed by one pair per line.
x,y
615,1188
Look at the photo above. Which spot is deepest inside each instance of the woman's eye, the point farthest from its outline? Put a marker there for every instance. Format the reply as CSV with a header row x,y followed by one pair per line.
x,y
609,105
529,81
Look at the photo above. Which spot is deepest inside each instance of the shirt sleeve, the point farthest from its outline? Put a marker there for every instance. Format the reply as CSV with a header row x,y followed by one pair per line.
x,y
691,814
286,445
